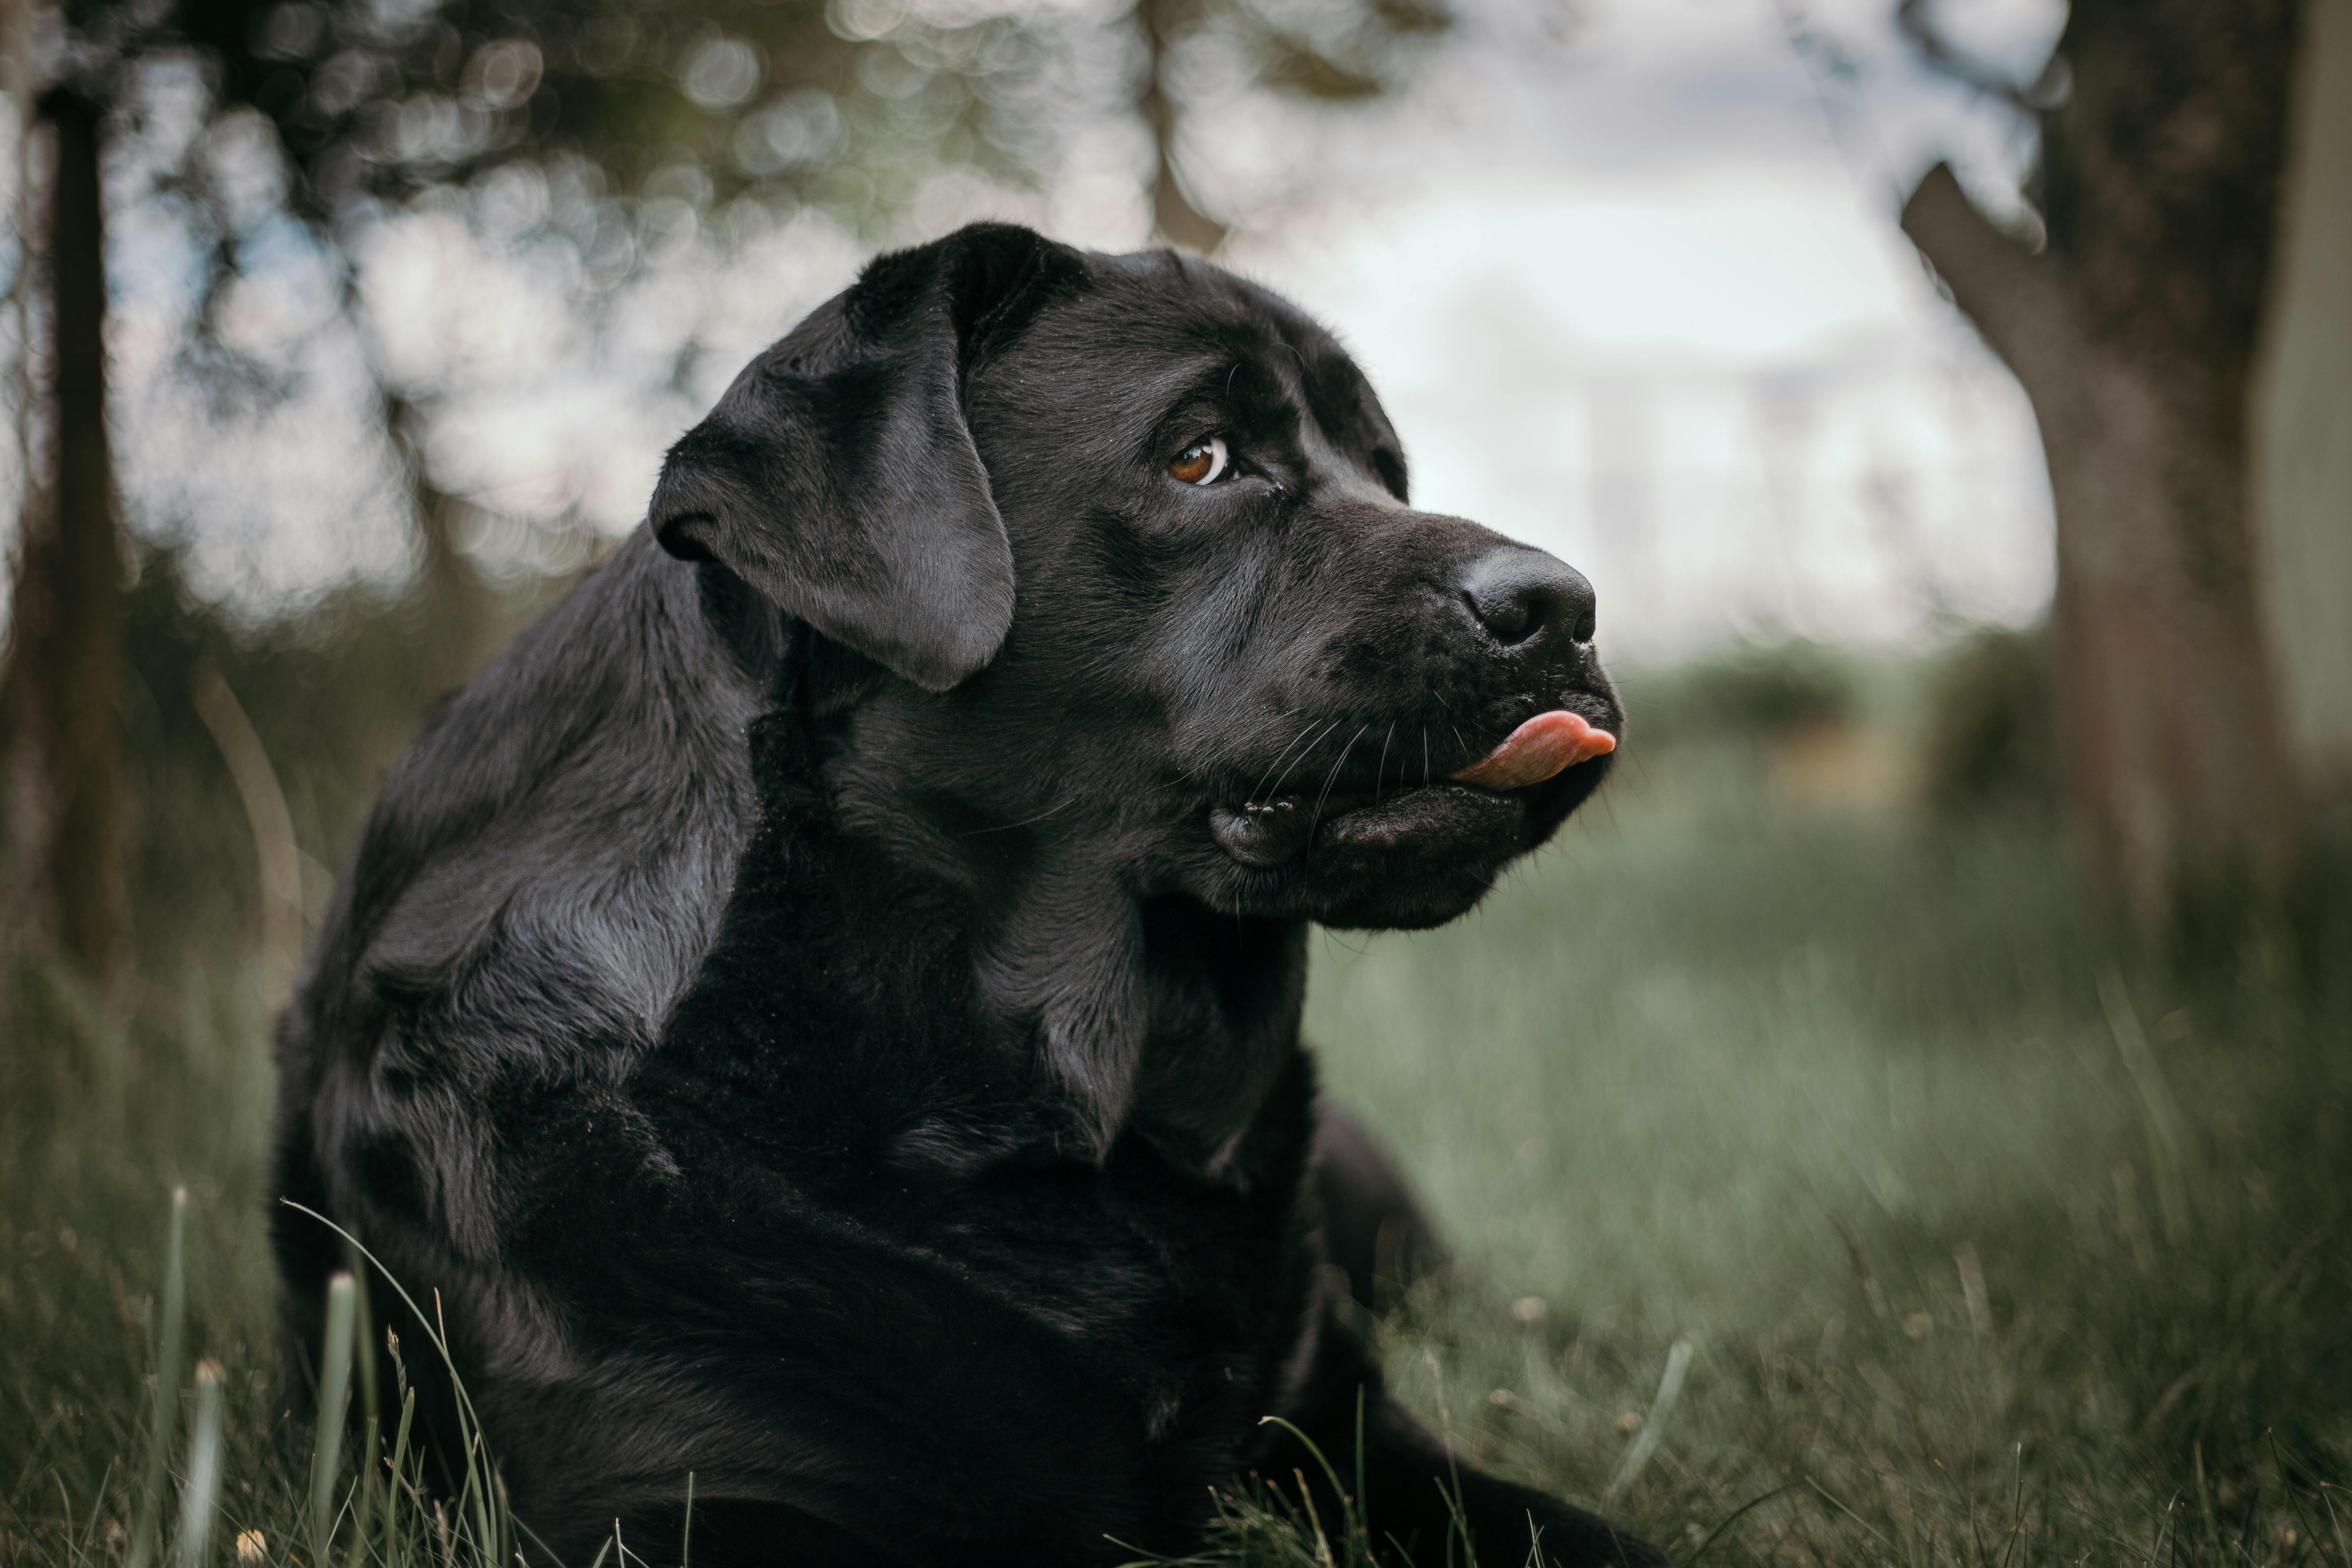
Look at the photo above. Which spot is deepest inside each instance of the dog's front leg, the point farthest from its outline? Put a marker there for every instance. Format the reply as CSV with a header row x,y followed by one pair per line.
x,y
1416,1494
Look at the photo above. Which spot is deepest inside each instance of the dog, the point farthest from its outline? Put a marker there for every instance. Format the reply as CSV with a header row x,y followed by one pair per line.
x,y
821,1011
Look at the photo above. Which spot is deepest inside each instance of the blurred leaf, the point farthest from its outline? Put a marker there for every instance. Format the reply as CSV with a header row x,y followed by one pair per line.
x,y
1751,693
1411,16
1296,66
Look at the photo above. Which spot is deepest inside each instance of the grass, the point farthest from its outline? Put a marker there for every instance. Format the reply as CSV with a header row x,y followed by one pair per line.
x,y
1832,1189
1988,1247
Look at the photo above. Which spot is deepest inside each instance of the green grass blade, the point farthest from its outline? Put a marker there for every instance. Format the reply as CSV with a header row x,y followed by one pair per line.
x,y
2160,1112
148,1518
363,1342
396,1543
485,1534
200,1496
334,1393
1734,1517
475,1487
469,1423
1670,1389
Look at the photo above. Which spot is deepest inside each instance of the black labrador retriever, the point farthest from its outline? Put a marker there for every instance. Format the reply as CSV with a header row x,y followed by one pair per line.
x,y
822,1009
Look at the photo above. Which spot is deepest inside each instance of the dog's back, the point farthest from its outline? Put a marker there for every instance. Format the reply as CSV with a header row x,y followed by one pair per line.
x,y
537,884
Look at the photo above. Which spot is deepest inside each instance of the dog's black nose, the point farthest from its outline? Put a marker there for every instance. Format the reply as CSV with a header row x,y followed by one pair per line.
x,y
1518,593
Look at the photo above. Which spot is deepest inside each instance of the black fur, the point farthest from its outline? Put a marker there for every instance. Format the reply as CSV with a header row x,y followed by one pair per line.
x,y
822,1009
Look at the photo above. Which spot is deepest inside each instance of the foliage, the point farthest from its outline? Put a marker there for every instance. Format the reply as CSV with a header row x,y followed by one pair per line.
x,y
1753,692
1992,724
629,121
698,103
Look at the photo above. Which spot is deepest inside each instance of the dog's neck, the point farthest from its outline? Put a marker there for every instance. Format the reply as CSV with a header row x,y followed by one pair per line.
x,y
1151,1013
1056,1009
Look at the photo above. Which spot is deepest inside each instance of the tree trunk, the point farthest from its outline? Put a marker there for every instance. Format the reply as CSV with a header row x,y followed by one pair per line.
x,y
68,813
1174,218
2303,423
2134,335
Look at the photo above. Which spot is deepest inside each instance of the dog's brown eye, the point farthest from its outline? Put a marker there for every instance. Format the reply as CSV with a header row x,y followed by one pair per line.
x,y
1200,463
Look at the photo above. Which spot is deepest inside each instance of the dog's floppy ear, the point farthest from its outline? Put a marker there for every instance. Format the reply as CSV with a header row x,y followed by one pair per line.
x,y
837,476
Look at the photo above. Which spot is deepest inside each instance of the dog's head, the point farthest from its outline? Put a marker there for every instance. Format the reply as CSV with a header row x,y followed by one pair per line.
x,y
1121,551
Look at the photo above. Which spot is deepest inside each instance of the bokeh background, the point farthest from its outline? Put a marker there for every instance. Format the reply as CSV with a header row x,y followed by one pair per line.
x,y
1904,1119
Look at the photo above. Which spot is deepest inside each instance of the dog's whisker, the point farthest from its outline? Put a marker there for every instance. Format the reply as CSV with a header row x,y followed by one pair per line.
x,y
1325,733
1332,777
1260,786
1380,768
1305,754
1025,822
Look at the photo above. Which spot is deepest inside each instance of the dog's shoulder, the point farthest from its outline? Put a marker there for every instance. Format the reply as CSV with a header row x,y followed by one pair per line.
x,y
550,860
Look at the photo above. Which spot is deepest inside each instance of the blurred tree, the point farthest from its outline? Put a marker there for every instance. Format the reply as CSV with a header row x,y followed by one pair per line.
x,y
67,806
653,115
2303,423
1343,51
1174,216
2133,331
836,102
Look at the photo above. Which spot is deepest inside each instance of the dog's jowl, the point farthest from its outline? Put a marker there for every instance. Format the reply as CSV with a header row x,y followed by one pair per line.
x,y
822,1010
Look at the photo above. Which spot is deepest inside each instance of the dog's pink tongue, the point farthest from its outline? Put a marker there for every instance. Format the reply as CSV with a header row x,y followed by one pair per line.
x,y
1537,750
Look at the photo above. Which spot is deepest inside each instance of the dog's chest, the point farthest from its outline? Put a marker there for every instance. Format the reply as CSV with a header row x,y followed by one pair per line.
x,y
1174,1291
1168,1320
1128,1323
